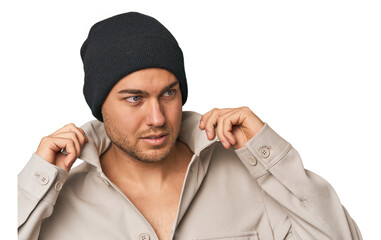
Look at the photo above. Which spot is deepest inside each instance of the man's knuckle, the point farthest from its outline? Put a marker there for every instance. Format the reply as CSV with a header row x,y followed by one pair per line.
x,y
81,137
71,142
220,121
73,135
45,139
70,125
215,114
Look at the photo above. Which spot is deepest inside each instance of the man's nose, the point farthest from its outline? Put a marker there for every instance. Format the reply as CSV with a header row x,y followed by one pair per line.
x,y
155,115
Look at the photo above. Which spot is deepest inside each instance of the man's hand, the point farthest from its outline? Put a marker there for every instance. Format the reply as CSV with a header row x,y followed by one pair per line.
x,y
70,138
234,126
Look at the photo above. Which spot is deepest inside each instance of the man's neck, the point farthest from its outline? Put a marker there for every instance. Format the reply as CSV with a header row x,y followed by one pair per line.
x,y
124,170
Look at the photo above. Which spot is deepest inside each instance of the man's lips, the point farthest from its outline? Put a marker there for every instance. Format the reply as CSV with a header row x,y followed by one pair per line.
x,y
155,140
156,136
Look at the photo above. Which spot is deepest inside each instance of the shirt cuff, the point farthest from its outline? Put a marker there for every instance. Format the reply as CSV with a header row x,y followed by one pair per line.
x,y
40,178
263,151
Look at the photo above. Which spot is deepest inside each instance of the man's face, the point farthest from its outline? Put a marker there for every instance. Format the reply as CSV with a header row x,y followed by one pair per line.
x,y
142,114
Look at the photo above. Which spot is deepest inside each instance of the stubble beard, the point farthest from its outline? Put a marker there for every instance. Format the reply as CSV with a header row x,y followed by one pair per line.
x,y
134,151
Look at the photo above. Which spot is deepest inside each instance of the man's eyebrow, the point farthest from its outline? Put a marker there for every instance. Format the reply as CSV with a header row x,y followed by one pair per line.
x,y
133,91
169,86
141,92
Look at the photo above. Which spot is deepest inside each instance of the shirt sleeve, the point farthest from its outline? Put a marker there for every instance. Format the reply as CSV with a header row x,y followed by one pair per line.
x,y
39,184
310,203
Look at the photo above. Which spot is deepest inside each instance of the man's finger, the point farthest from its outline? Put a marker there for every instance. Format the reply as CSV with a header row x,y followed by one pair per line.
x,y
78,141
225,128
65,161
205,118
220,133
65,128
72,128
51,146
211,122
207,115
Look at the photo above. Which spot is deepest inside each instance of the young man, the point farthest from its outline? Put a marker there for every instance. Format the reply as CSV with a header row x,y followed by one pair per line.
x,y
152,171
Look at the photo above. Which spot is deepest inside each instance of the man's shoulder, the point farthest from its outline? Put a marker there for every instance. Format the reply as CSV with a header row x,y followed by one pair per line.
x,y
191,115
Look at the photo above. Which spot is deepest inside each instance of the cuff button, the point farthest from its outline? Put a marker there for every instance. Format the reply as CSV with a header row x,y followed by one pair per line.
x,y
43,179
252,161
264,152
58,186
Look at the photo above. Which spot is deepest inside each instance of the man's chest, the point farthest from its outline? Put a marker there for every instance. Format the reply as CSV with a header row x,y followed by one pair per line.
x,y
159,210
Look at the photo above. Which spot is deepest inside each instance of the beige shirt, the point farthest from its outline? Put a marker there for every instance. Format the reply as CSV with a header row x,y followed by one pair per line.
x,y
257,192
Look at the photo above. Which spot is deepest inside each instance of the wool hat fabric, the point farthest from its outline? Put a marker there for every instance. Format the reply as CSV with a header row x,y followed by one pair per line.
x,y
122,44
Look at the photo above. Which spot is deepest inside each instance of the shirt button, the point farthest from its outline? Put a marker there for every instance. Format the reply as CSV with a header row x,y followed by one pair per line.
x,y
58,186
252,160
144,236
43,179
264,152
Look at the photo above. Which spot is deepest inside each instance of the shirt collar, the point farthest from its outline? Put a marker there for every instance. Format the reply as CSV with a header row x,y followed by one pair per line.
x,y
190,134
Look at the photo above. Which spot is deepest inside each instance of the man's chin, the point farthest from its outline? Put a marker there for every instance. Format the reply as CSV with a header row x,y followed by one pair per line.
x,y
154,155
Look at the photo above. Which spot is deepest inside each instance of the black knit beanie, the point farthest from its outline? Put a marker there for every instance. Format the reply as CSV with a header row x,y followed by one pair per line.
x,y
125,43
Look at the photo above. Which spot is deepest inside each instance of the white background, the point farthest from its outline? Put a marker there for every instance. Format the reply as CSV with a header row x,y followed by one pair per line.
x,y
310,69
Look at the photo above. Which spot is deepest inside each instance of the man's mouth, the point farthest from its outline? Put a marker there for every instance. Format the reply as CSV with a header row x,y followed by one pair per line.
x,y
155,140
154,136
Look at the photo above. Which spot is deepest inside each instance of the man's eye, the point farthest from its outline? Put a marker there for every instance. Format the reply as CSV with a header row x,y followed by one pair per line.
x,y
134,99
169,92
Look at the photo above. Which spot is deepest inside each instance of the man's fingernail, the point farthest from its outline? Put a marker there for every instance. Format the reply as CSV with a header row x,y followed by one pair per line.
x,y
63,151
201,124
225,144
